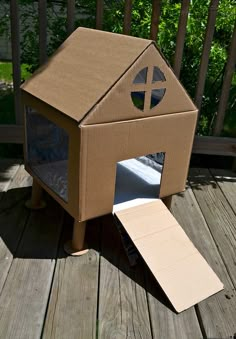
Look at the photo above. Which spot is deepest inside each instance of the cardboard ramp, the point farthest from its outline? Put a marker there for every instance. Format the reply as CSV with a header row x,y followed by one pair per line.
x,y
179,268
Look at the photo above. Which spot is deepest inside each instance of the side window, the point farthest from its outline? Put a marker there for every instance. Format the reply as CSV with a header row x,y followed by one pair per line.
x,y
47,152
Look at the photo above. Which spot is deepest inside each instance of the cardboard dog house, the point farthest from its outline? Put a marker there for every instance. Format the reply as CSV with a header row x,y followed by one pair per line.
x,y
101,100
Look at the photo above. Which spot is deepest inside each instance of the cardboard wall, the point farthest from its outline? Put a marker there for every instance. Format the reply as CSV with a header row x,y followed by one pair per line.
x,y
103,145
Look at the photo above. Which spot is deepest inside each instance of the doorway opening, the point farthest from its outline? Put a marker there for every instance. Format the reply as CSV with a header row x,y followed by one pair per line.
x,y
138,180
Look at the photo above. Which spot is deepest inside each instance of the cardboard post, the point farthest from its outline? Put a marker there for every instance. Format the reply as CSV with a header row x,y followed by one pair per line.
x,y
36,202
167,201
76,246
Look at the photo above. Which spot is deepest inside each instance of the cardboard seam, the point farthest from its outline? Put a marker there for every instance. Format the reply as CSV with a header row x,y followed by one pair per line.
x,y
151,234
130,209
140,119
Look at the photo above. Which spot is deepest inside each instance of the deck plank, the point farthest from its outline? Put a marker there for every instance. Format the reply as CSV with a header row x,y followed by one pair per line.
x,y
13,217
217,313
25,294
72,307
218,214
8,169
130,302
165,322
123,308
227,182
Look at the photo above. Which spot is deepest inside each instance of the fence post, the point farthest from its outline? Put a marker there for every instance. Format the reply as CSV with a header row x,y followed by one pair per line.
x,y
99,14
206,53
15,45
127,17
156,13
228,76
42,8
70,16
183,18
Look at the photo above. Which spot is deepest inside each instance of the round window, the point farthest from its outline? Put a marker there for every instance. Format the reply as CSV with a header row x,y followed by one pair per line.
x,y
148,90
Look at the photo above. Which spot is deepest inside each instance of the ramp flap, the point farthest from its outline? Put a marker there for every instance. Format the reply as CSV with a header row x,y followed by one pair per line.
x,y
179,268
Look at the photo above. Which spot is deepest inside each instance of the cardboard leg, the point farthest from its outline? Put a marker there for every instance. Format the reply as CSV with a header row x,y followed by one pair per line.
x,y
76,246
36,202
167,201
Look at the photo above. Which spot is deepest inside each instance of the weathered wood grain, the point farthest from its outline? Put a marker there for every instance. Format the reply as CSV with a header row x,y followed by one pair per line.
x,y
165,322
123,309
216,313
25,294
214,145
72,307
155,19
127,17
212,12
227,182
182,28
42,12
8,168
70,16
218,214
15,45
99,13
13,217
228,76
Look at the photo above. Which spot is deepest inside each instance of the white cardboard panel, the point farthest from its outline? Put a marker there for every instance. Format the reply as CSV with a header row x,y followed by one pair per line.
x,y
179,268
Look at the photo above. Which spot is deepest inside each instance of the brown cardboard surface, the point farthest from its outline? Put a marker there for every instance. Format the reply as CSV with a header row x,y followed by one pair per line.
x,y
83,69
95,69
181,271
117,105
103,145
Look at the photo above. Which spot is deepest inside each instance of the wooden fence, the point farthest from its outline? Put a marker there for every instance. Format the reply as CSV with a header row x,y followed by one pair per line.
x,y
205,145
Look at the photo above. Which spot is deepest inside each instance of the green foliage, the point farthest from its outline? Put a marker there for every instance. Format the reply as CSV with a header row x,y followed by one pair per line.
x,y
6,72
141,19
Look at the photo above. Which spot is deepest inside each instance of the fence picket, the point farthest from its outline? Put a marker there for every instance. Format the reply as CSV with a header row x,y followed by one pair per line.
x,y
70,16
99,14
206,52
42,8
204,145
182,27
156,13
228,76
127,17
15,45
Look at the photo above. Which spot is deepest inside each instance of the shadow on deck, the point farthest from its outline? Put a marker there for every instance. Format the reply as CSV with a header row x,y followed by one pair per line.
x,y
44,293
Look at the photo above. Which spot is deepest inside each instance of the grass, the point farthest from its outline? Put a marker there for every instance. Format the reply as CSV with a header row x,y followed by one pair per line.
x,y
6,72
7,114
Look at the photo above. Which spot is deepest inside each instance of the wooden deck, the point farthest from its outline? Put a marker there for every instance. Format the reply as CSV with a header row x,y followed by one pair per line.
x,y
46,294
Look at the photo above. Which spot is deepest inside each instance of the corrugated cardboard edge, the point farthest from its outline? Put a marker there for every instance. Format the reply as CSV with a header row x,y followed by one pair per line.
x,y
142,226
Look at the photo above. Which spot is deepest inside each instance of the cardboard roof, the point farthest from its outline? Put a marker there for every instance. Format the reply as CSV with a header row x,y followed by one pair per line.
x,y
83,69
92,72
